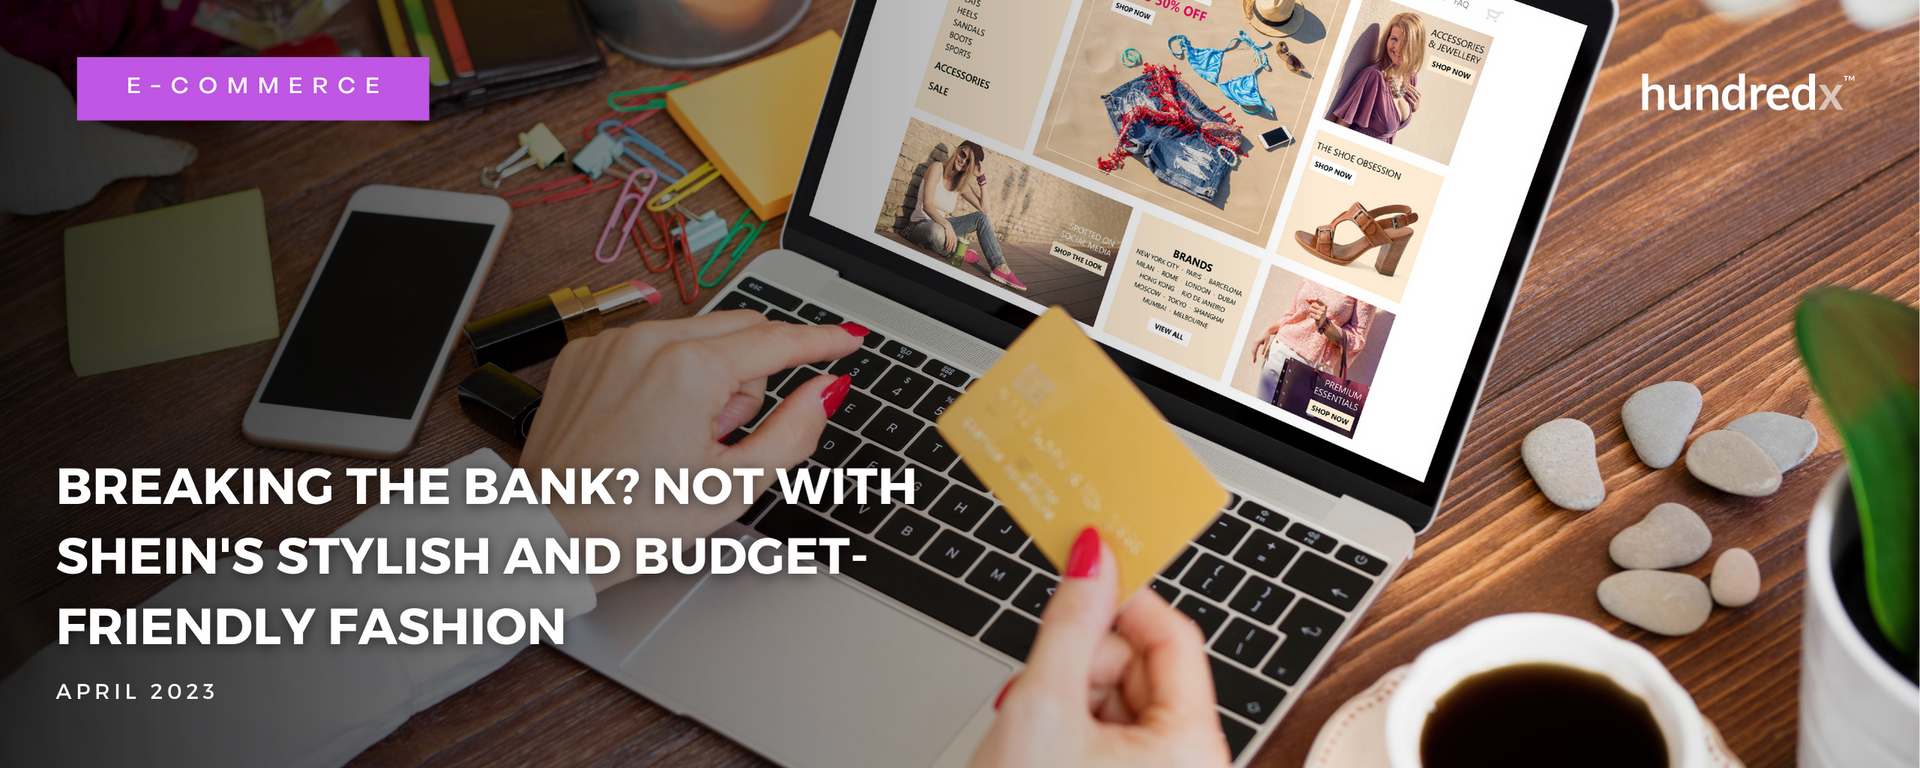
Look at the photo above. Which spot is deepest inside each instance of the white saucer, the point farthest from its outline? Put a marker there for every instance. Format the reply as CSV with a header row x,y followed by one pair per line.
x,y
1356,735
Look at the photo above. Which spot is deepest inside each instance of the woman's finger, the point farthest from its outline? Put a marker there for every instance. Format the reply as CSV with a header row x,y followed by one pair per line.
x,y
766,349
1076,618
1173,657
792,431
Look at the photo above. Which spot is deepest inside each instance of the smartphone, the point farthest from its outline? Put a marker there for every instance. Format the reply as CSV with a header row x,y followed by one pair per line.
x,y
360,361
1276,138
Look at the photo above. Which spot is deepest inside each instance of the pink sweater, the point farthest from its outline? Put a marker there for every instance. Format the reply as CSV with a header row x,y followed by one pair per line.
x,y
1353,317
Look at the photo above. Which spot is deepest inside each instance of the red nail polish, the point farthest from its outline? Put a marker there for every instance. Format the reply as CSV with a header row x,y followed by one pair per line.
x,y
836,393
855,329
1083,561
1003,691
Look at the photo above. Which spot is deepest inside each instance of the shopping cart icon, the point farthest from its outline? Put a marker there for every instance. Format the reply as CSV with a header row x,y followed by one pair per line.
x,y
1493,15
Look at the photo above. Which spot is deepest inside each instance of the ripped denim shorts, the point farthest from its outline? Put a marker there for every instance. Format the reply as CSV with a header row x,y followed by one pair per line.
x,y
1184,160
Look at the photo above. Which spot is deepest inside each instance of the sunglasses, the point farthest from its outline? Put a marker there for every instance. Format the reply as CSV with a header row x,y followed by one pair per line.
x,y
1293,62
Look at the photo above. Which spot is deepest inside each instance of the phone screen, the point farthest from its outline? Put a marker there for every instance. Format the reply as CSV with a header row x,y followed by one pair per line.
x,y
373,328
1278,137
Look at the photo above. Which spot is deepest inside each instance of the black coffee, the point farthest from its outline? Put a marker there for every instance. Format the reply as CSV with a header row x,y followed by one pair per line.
x,y
1541,715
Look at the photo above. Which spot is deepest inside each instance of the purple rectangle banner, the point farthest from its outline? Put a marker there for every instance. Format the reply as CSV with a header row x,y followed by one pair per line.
x,y
252,88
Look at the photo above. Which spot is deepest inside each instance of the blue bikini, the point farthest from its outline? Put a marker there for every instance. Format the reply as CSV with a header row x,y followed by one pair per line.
x,y
1245,89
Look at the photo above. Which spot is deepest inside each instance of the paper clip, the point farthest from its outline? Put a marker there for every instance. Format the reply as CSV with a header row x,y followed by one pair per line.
x,y
538,146
631,138
753,233
558,196
691,183
638,199
654,104
681,262
587,131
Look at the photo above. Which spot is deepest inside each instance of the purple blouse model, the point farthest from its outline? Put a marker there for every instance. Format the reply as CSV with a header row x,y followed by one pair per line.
x,y
1383,97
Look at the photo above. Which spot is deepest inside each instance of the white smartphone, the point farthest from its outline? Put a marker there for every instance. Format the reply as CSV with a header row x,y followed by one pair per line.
x,y
361,359
1276,138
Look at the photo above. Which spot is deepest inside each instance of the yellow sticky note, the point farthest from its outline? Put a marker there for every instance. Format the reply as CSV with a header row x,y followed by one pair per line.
x,y
1066,441
753,122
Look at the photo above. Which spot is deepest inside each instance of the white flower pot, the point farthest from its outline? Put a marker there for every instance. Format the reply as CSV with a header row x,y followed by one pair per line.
x,y
1856,710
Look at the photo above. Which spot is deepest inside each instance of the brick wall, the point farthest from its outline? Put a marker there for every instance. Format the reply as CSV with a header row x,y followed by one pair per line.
x,y
1028,205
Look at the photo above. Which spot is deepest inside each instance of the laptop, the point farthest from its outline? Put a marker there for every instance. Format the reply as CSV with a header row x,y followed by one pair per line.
x,y
1169,182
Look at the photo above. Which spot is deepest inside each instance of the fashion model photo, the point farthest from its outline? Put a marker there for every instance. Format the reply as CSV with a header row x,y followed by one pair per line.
x,y
1308,343
1408,79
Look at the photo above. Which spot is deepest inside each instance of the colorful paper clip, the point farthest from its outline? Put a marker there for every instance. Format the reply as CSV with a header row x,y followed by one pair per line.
x,y
753,233
638,199
691,183
557,196
679,262
630,139
586,132
654,104
538,146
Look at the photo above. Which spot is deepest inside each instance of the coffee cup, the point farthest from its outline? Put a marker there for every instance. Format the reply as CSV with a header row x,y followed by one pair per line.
x,y
1542,638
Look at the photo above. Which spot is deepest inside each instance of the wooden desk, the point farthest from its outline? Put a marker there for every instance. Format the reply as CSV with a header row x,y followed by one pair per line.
x,y
1677,247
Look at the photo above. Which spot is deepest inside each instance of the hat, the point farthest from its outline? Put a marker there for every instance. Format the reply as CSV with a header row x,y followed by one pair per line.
x,y
1275,18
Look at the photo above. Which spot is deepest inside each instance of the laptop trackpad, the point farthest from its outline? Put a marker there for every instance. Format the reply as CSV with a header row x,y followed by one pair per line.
x,y
813,672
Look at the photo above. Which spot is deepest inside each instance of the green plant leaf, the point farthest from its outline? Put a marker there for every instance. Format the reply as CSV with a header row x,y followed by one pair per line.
x,y
1863,354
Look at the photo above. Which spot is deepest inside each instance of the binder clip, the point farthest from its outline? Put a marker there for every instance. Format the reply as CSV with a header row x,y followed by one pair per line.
x,y
687,185
606,148
704,230
626,195
537,147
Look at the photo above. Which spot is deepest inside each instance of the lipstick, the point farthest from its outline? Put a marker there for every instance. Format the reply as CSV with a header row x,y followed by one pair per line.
x,y
536,330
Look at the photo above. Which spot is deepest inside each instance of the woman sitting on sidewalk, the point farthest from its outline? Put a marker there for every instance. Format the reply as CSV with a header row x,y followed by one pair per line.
x,y
934,226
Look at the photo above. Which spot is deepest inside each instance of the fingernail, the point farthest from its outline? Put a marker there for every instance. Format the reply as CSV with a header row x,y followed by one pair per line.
x,y
836,393
1003,690
1083,562
856,329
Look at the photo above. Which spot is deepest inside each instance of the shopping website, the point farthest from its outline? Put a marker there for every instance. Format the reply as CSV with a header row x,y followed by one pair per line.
x,y
1302,206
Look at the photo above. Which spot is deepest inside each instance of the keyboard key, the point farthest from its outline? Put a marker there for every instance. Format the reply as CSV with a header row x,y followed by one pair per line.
x,y
766,406
863,517
1266,553
930,449
835,446
864,367
774,381
799,379
1308,627
1203,613
1233,500
770,294
774,314
871,456
936,402
872,340
1166,591
897,577
1179,563
926,486
1001,531
902,386
961,508
738,300
1032,554
903,353
1011,634
947,374
1360,560
760,506
962,473
1301,533
1244,694
998,575
1238,735
855,410
1033,598
954,554
1213,577
1261,599
1225,532
818,315
907,531
1245,643
1332,584
1263,516
893,428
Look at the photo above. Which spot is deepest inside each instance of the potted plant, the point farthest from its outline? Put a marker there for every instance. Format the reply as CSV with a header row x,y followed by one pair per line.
x,y
1859,706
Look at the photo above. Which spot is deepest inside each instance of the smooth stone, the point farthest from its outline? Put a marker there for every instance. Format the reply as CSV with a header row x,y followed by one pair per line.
x,y
1560,456
1736,578
1658,420
1657,601
1669,537
1732,462
1788,439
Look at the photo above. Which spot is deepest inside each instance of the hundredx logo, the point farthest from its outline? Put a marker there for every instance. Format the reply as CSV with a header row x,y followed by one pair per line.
x,y
1739,95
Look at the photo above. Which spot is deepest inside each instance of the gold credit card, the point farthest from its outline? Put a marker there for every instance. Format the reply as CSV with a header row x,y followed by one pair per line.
x,y
1066,441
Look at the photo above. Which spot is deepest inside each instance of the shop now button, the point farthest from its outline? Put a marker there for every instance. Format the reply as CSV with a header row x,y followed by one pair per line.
x,y
1168,330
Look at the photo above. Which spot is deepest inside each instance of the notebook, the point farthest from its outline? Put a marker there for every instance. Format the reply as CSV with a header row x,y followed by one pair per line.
x,y
753,121
169,283
499,49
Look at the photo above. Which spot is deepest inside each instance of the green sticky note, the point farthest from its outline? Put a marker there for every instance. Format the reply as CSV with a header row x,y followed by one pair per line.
x,y
169,283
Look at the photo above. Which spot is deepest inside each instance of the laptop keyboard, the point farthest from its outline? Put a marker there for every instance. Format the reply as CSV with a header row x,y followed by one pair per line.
x,y
1268,592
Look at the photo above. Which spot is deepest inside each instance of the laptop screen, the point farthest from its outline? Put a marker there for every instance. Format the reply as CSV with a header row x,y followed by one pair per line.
x,y
1303,206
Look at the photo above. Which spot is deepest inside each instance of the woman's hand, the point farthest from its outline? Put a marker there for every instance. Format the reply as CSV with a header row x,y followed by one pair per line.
x,y
953,238
661,394
1140,695
1317,312
1413,97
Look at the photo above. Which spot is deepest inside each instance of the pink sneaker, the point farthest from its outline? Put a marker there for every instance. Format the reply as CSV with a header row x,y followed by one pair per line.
x,y
972,257
1007,279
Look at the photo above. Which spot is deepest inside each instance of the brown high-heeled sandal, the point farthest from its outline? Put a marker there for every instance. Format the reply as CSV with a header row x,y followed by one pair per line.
x,y
1384,228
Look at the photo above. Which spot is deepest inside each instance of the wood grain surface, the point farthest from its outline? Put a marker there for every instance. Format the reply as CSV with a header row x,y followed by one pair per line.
x,y
1677,246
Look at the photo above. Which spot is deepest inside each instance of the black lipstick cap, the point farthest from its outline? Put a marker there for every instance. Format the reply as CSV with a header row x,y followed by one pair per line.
x,y
500,403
